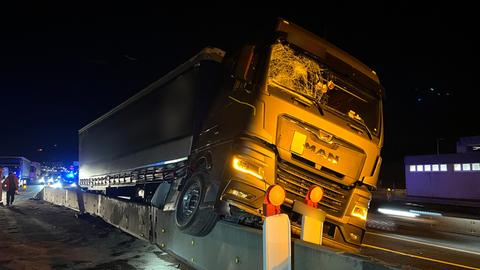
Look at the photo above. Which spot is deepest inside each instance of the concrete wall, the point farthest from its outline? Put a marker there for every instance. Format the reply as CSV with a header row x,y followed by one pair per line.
x,y
228,246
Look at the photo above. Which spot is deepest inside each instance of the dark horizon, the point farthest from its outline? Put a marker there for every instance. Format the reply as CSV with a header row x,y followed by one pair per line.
x,y
62,69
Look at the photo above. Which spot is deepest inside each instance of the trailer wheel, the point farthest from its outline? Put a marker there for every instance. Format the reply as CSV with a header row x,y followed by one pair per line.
x,y
189,217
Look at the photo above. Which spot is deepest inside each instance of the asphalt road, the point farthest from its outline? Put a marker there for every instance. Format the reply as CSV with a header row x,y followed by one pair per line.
x,y
411,241
23,194
28,193
38,235
423,249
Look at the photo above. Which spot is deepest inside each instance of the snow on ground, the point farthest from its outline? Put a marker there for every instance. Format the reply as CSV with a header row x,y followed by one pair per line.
x,y
38,235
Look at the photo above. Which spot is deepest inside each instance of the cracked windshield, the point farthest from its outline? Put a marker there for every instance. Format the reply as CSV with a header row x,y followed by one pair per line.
x,y
304,75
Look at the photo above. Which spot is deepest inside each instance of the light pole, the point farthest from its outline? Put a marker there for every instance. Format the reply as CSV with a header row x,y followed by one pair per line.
x,y
438,145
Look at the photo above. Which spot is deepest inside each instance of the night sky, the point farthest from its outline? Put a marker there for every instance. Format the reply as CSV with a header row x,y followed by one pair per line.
x,y
61,67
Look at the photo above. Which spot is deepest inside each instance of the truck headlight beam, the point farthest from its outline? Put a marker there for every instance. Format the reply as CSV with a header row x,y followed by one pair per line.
x,y
360,212
248,167
141,193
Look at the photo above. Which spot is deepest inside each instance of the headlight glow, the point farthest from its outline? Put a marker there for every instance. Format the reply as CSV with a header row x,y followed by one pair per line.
x,y
397,212
426,213
360,212
248,168
141,193
57,185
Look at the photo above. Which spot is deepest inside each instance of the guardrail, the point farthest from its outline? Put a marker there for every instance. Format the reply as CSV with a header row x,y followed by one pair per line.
x,y
428,223
459,225
228,246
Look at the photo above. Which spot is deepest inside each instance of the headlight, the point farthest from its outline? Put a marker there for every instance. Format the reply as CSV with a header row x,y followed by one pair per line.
x,y
360,212
57,185
248,167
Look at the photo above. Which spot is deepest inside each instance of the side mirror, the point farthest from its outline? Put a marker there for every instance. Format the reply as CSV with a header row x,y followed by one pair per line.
x,y
243,62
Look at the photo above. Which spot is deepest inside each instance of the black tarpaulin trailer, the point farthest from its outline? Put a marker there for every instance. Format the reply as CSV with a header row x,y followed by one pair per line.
x,y
155,125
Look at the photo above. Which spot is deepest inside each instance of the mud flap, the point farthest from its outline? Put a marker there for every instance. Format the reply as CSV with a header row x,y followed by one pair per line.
x,y
160,196
211,194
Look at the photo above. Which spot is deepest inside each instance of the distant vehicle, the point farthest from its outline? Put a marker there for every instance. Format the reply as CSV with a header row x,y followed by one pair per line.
x,y
51,178
35,172
69,178
19,165
217,131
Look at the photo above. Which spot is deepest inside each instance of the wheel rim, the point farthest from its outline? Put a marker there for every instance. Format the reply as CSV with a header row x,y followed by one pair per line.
x,y
190,202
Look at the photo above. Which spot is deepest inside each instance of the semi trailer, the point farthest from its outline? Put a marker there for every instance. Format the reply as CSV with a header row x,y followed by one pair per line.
x,y
210,137
18,165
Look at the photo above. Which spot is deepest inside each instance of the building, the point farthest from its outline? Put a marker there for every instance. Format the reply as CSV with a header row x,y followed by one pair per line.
x,y
450,176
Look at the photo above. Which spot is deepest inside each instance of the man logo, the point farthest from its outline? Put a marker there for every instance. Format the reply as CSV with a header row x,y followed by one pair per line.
x,y
321,152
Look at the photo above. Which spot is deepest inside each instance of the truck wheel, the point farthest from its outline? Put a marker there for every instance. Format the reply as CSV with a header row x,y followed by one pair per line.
x,y
189,217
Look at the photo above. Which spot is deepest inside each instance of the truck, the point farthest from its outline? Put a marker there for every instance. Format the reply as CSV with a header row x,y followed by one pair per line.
x,y
18,165
210,137
35,173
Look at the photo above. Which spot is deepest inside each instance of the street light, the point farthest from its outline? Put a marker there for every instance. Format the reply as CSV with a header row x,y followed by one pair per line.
x,y
438,145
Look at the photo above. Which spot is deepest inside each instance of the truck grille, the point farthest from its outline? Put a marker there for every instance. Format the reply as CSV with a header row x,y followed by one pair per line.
x,y
296,181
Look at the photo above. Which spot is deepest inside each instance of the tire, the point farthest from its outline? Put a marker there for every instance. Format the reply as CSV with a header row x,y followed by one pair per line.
x,y
189,217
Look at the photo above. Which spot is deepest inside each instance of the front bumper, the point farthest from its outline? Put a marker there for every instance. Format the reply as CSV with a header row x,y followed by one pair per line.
x,y
247,192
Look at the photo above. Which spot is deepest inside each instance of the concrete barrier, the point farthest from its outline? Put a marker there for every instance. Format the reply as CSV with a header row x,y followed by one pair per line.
x,y
71,199
457,225
132,218
228,246
430,223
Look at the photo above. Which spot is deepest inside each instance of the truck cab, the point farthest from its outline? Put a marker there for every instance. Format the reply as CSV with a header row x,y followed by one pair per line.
x,y
300,113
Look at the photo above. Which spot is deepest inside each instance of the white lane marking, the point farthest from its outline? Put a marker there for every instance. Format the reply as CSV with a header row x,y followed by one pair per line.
x,y
425,243
420,257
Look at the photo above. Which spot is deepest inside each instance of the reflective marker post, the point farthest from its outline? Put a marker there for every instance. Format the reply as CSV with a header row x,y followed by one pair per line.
x,y
277,243
312,217
276,232
312,223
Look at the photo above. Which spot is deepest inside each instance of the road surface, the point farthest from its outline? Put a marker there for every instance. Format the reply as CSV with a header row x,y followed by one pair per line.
x,y
423,249
38,235
409,241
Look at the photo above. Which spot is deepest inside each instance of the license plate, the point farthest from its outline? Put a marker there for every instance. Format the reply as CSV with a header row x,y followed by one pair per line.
x,y
298,143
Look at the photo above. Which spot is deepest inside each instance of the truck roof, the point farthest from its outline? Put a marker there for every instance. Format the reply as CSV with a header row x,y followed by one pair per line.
x,y
206,54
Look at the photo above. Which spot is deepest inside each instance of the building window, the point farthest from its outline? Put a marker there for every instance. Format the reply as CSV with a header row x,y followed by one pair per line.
x,y
475,166
443,167
419,168
413,168
457,167
435,167
427,168
466,166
